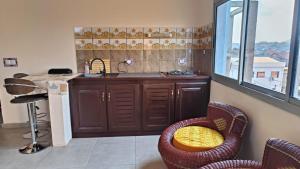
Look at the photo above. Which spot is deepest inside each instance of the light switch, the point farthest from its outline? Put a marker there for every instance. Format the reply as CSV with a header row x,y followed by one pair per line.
x,y
10,62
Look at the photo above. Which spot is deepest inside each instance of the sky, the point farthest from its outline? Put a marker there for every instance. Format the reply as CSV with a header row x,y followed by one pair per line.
x,y
274,22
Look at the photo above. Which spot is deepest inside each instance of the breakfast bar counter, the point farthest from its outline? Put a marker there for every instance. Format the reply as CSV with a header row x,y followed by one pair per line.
x,y
59,105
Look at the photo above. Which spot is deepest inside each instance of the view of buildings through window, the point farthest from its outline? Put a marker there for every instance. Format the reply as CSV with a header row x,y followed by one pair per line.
x,y
268,39
268,43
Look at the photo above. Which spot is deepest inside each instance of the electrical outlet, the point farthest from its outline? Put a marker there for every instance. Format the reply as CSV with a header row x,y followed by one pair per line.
x,y
129,61
182,61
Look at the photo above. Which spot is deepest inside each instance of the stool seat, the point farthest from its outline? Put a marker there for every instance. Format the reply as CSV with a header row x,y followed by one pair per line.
x,y
29,98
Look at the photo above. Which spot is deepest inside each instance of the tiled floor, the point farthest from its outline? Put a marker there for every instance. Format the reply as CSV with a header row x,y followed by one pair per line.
x,y
88,153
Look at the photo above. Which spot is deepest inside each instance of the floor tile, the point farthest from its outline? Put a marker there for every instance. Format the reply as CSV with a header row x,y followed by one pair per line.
x,y
105,140
67,157
112,167
28,161
7,157
112,153
82,153
147,155
147,139
12,138
153,164
83,141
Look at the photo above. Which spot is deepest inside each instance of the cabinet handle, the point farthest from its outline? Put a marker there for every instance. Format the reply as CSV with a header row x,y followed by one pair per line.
x,y
108,95
103,96
178,92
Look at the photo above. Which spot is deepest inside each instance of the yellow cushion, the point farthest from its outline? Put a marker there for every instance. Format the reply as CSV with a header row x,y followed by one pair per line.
x,y
197,138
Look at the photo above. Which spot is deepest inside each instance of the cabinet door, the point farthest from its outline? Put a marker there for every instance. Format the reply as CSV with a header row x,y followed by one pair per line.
x,y
123,107
158,106
89,109
191,100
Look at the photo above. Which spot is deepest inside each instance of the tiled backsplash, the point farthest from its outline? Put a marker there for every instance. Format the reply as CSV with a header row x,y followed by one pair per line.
x,y
152,49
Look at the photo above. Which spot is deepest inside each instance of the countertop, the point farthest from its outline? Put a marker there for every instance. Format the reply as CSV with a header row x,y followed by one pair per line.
x,y
50,77
163,76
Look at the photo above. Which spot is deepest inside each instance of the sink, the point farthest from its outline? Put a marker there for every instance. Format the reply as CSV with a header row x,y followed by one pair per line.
x,y
92,75
139,75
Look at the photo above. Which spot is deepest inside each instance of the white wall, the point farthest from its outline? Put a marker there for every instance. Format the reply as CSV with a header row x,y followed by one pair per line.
x,y
265,120
40,32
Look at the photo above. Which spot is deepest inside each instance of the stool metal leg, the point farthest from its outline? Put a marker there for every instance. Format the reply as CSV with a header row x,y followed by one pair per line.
x,y
34,118
36,121
34,146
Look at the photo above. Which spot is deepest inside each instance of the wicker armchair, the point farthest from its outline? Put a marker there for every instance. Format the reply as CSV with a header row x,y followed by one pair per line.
x,y
279,154
229,121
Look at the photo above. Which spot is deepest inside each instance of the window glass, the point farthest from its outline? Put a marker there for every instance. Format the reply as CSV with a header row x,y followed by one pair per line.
x,y
228,36
297,78
268,43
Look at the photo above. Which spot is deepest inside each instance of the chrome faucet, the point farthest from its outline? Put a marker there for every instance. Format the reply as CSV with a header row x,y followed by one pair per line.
x,y
104,69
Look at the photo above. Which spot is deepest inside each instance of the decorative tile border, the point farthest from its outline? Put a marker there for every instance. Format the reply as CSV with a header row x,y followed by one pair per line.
x,y
184,33
118,44
139,38
151,33
167,43
100,32
84,44
135,33
83,33
167,33
135,44
151,44
117,33
101,44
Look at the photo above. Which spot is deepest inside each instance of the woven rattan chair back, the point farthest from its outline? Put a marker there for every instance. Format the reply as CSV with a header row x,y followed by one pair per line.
x,y
281,154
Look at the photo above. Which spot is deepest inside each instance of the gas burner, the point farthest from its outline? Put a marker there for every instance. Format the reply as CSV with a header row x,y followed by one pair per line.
x,y
180,73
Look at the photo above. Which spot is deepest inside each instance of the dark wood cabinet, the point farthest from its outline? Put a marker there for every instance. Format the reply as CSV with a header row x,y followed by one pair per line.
x,y
134,106
89,109
123,102
191,100
158,106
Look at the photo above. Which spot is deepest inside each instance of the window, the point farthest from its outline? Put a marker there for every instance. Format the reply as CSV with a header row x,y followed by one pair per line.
x,y
260,75
275,74
228,31
257,49
268,42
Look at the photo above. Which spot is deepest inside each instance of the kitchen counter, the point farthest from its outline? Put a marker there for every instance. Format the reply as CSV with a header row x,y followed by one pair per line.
x,y
145,76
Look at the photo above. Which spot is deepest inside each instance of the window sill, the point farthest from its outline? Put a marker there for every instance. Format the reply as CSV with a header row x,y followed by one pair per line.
x,y
292,105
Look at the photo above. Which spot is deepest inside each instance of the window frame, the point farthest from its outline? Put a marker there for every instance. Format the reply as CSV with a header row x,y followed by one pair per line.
x,y
226,79
285,100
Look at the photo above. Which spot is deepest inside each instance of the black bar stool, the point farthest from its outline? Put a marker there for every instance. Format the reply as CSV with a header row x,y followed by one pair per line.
x,y
39,116
20,88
